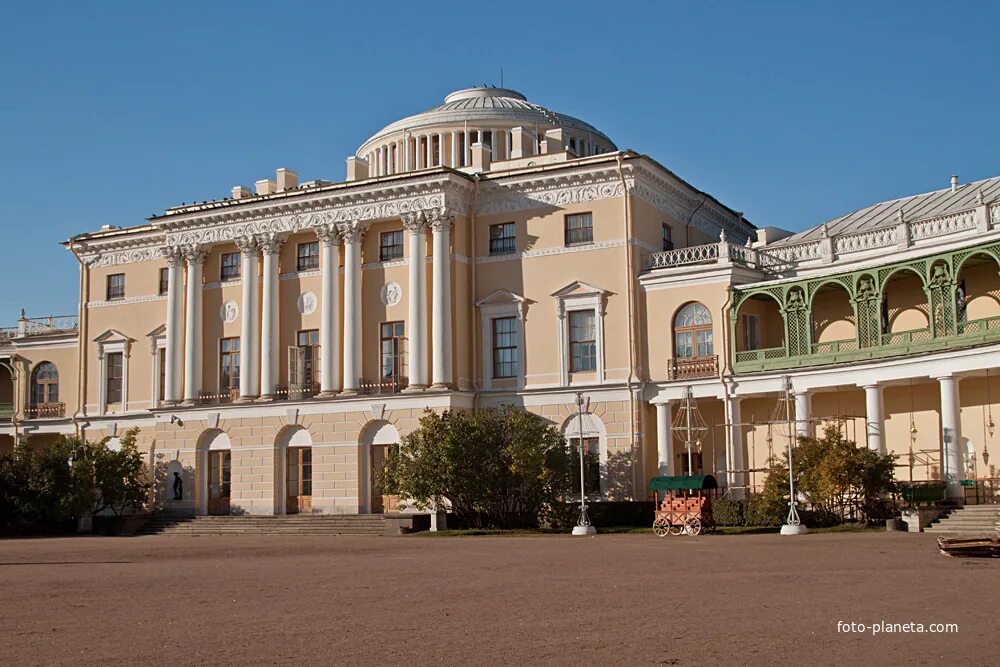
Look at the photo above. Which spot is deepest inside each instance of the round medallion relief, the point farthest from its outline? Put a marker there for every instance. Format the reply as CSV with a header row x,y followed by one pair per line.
x,y
392,293
307,303
229,311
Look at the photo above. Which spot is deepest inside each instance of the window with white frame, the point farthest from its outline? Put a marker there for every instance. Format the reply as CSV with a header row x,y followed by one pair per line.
x,y
502,314
581,311
505,346
582,341
113,348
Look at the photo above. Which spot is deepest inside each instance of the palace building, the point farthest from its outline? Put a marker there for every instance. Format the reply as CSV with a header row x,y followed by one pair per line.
x,y
270,345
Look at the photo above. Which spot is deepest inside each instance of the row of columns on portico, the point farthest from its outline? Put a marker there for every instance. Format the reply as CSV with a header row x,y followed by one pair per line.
x,y
951,433
417,151
338,374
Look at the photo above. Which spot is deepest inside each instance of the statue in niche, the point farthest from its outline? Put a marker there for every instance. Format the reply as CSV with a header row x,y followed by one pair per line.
x,y
939,277
796,299
178,486
866,289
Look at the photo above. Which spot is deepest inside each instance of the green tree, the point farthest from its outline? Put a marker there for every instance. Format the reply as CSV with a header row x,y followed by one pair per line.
x,y
497,468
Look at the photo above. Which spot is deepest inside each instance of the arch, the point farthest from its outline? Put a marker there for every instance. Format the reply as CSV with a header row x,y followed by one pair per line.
x,y
759,323
824,283
5,364
589,428
906,307
288,437
977,292
44,383
376,437
692,328
211,440
832,313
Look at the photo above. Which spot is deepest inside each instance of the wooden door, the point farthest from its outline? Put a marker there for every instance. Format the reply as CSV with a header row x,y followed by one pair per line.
x,y
299,480
219,481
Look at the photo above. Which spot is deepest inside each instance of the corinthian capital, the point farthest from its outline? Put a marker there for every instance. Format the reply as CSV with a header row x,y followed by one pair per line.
x,y
440,219
247,244
414,222
270,243
328,233
352,232
194,254
174,255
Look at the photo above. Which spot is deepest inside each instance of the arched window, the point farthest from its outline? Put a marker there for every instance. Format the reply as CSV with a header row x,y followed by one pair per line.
x,y
45,384
693,332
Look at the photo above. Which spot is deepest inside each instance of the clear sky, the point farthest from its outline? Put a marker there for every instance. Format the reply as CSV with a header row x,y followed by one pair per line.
x,y
793,112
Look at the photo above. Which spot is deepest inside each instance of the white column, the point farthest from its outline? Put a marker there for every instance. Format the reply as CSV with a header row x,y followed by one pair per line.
x,y
192,325
429,151
734,446
440,223
416,326
270,246
873,417
352,233
329,328
494,145
406,154
802,413
249,352
664,446
468,148
441,149
951,435
454,149
418,153
507,141
172,382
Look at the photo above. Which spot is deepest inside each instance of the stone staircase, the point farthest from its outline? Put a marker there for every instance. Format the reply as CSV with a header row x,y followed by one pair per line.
x,y
968,520
292,524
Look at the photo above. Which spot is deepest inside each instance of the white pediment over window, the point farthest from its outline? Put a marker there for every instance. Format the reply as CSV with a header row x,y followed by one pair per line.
x,y
115,338
157,338
579,292
501,297
580,295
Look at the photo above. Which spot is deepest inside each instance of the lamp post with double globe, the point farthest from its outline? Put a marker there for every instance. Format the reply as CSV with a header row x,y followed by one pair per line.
x,y
582,526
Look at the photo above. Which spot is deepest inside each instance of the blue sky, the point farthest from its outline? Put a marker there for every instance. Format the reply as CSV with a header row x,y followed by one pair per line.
x,y
793,112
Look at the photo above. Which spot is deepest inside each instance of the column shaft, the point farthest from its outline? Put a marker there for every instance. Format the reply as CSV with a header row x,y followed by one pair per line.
x,y
352,306
951,435
664,453
329,330
192,326
734,446
873,418
802,413
249,352
172,381
441,326
270,315
417,302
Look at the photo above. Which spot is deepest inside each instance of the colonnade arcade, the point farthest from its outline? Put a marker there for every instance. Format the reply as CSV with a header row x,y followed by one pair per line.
x,y
340,372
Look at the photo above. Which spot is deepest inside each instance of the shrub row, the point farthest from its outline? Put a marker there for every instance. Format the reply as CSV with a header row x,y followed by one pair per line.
x,y
754,511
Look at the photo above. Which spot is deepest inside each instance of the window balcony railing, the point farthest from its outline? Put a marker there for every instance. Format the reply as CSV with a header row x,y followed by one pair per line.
x,y
6,412
388,385
45,411
686,368
217,397
284,392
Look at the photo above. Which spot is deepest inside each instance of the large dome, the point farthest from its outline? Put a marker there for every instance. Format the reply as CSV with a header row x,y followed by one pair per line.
x,y
443,135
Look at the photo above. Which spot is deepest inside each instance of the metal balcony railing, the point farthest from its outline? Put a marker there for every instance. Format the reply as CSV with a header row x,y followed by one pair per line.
x,y
388,385
685,368
45,411
6,412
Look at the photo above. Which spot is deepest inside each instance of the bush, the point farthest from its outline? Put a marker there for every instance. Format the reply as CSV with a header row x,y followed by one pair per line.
x,y
728,512
498,468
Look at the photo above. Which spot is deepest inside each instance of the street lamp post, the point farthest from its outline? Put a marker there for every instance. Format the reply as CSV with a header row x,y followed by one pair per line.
x,y
582,526
793,525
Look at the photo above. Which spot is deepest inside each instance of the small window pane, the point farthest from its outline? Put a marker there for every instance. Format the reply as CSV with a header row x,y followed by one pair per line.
x,y
164,280
230,266
116,286
308,256
582,341
390,246
502,238
579,229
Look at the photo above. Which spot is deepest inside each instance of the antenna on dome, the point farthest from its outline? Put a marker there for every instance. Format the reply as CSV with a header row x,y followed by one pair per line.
x,y
501,76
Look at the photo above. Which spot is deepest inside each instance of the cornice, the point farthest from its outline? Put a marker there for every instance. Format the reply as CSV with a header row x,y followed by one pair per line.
x,y
549,189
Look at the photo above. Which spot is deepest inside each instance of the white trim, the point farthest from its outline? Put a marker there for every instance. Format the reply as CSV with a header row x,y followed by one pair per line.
x,y
110,342
126,301
498,305
577,296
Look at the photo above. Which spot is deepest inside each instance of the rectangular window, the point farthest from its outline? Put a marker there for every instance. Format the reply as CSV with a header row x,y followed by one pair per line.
x,y
579,229
229,365
116,286
115,375
308,340
164,281
502,238
230,266
751,332
505,347
582,341
668,241
591,465
391,347
390,246
307,258
161,354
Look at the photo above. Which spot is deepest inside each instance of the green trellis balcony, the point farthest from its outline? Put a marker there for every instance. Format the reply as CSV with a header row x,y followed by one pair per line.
x,y
937,279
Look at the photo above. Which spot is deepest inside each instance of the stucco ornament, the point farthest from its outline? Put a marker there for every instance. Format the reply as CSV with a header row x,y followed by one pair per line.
x,y
229,311
307,303
391,294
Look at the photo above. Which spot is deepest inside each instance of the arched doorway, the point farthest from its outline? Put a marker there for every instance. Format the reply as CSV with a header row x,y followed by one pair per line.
x,y
214,465
293,476
376,441
6,391
598,475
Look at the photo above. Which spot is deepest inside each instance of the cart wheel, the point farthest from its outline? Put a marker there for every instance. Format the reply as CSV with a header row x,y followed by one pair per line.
x,y
692,526
676,528
660,526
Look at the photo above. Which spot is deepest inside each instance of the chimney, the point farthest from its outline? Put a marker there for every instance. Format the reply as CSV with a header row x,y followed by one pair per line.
x,y
266,187
954,183
521,141
357,168
481,156
287,179
241,191
553,142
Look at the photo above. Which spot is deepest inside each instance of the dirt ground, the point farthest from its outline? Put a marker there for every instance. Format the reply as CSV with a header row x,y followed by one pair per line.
x,y
613,599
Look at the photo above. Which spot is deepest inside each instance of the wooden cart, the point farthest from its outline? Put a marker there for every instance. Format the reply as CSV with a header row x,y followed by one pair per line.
x,y
685,507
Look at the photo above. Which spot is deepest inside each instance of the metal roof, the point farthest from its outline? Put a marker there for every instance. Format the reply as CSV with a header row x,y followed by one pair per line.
x,y
915,207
